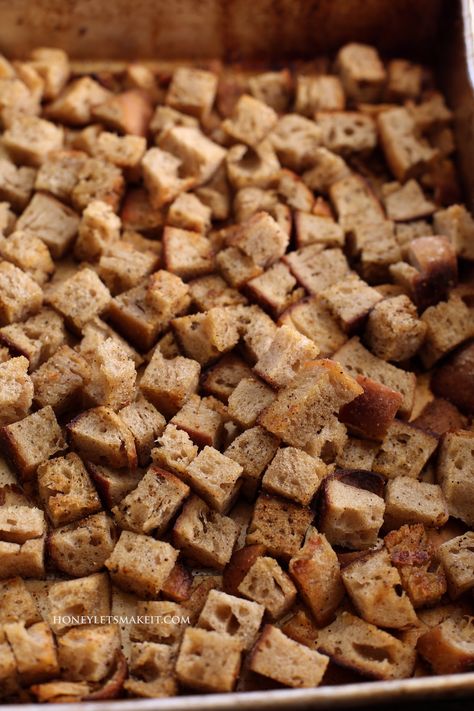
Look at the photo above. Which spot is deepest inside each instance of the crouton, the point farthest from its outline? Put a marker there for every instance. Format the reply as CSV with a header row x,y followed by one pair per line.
x,y
33,440
236,267
66,490
28,253
16,184
81,548
112,375
96,332
448,325
151,671
128,112
216,194
248,400
192,91
405,232
137,213
453,379
122,151
410,501
101,436
209,291
99,227
406,202
85,596
371,413
439,416
350,300
24,559
404,451
318,93
98,180
152,504
162,174
421,574
189,213
122,267
287,351
448,647
276,289
205,535
316,269
19,524
34,651
205,336
260,238
165,117
29,139
232,616
404,79
456,223
16,390
7,218
294,475
79,298
18,603
457,557
203,423
53,222
266,583
359,361
431,112
394,331
406,154
359,645
314,320
278,525
253,450
113,484
140,564
215,478
186,254
361,71
200,157
295,140
273,88
251,121
155,629
252,166
223,377
59,381
145,423
376,248
168,384
315,571
74,105
197,667
88,653
347,132
315,229
20,295
175,449
454,474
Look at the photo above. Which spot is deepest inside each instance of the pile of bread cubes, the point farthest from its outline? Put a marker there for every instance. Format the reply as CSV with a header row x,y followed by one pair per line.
x,y
236,378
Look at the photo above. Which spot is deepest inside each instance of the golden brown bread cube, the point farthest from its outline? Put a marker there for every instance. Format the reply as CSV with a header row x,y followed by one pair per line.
x,y
17,603
20,295
151,670
457,557
371,413
253,450
192,91
208,661
408,500
145,423
86,596
59,381
394,331
215,477
175,450
34,650
79,298
88,653
278,525
266,583
294,474
28,253
52,221
16,390
231,615
448,647
101,436
361,71
81,548
111,378
98,229
404,451
251,121
454,474
29,139
168,384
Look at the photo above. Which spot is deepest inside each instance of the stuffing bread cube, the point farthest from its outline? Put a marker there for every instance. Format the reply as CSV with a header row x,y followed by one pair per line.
x,y
393,330
24,559
34,650
88,653
28,253
201,421
456,223
350,301
312,318
316,229
113,484
273,88
266,583
248,400
318,93
187,254
21,523
75,103
16,390
145,423
122,151
162,176
448,647
287,351
253,450
152,670
79,298
448,324
101,436
159,631
404,451
168,384
29,139
231,615
175,449
294,475
192,91
112,375
346,132
52,221
141,564
81,548
457,557
278,525
215,477
20,295
250,121
260,238
200,157
98,180
59,381
371,413
16,184
275,289
197,666
18,603
406,154
406,202
99,227
295,139
122,267
408,500
316,269
361,70
86,596
454,474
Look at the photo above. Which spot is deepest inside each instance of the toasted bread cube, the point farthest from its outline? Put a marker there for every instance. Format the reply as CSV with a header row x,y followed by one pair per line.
x,y
316,229
457,557
232,616
394,331
406,202
122,151
439,416
16,184
448,324
302,408
7,218
453,379
260,238
454,475
189,213
318,93
222,378
295,140
358,360
53,67
52,221
404,451
410,501
187,254
202,423
280,363
266,583
29,139
249,166
351,517
33,440
137,214
200,157
17,603
275,289
278,525
89,595
74,105
162,176
151,670
113,484
135,315
236,267
23,559
80,298
20,523
347,132
98,180
59,381
294,475
354,202
112,376
176,450
98,229
248,400
257,330
286,661
66,490
209,291
316,269
145,423
312,318
16,390
128,112
357,454
329,440
359,645
326,169
406,154
448,647
253,450
215,477
273,88
101,436
404,79
20,295
154,628
456,223
379,249
204,336
372,412
240,563
152,504
361,70
197,665
251,120
430,113
205,535
350,300
28,253
192,91
34,650
89,653
96,332
373,584
81,548
122,267
140,564
168,384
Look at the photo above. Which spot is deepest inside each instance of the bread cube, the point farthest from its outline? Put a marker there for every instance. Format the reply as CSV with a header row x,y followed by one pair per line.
x,y
168,384
455,462
176,450
236,267
260,238
82,547
378,249
358,360
294,475
266,583
50,220
286,661
410,501
152,671
373,584
406,154
59,381
372,412
98,180
431,273
275,289
122,267
20,295
362,647
350,301
361,71
448,324
75,103
52,66
208,661
394,331
357,454
200,157
79,298
457,557
20,523
316,573
209,291
404,79
186,254
141,564
316,229
253,450
127,112
295,140
316,269
430,113
112,376
350,517
34,651
145,423
59,173
66,490
413,555
152,504
162,622
248,400
256,328
33,440
162,176
215,477
189,213
312,318
88,653
456,223
37,338
406,202
322,92
222,378
16,184
205,535
192,91
23,559
204,336
16,390
453,379
278,525
404,451
113,484
29,139
165,117
251,120
347,132
134,313
99,228
439,416
18,603
101,436
96,332
89,595
203,423
28,253
448,647
232,616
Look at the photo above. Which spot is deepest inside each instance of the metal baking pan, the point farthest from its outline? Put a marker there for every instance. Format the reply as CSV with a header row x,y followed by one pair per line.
x,y
438,32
